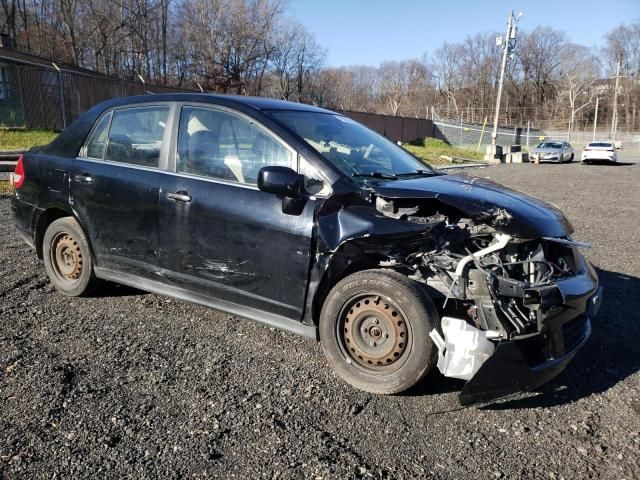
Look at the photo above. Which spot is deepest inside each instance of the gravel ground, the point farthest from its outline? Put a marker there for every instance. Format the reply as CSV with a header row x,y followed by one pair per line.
x,y
133,384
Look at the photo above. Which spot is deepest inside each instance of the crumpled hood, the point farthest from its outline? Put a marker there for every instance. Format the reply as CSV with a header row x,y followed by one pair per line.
x,y
526,216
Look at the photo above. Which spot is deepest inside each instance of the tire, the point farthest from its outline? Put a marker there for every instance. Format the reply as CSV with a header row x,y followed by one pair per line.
x,y
357,314
67,258
571,158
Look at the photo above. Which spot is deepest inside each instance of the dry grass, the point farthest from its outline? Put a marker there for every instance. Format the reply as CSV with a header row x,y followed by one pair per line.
x,y
430,149
5,188
25,139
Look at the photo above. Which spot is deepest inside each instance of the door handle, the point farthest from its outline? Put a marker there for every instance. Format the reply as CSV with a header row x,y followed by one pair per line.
x,y
179,196
83,178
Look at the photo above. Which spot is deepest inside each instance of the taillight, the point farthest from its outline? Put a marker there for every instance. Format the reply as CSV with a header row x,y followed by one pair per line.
x,y
17,179
587,149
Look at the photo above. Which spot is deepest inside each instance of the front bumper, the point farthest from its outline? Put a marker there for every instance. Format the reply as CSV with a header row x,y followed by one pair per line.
x,y
543,157
525,363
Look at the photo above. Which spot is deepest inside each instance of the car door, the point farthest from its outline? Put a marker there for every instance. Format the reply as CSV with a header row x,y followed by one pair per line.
x,y
115,186
219,234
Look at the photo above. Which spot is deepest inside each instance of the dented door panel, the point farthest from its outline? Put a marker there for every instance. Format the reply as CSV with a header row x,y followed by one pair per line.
x,y
234,242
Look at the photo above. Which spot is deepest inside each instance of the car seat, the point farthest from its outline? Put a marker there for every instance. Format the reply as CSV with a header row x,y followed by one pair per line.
x,y
202,153
119,148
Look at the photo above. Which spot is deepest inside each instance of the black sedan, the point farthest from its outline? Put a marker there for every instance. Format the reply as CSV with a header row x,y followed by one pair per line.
x,y
302,219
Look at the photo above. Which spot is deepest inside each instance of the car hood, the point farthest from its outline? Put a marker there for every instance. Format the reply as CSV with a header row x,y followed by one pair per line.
x,y
546,150
507,210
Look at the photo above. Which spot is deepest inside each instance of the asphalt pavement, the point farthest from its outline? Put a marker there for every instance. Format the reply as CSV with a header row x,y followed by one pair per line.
x,y
128,384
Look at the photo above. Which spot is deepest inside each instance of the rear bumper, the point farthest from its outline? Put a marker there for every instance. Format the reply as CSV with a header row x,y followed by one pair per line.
x,y
599,158
23,214
525,363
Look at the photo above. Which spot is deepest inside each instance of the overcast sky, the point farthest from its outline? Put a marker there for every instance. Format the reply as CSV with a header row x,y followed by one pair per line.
x,y
370,31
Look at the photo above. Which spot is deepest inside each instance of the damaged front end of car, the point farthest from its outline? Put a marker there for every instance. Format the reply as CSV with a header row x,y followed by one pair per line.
x,y
516,293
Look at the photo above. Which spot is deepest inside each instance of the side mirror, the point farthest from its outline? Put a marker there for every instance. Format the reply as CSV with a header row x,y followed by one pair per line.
x,y
280,180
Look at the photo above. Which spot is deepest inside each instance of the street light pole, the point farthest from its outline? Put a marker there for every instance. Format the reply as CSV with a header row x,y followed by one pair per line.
x,y
507,47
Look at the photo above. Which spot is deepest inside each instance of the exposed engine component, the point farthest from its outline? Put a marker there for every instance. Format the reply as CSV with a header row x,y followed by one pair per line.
x,y
502,282
463,349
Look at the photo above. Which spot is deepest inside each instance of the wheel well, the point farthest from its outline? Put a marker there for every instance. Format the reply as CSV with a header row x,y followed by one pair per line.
x,y
43,221
339,269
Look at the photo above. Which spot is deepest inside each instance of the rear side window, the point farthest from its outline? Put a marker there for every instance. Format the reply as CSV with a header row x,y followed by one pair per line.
x,y
98,139
136,135
218,144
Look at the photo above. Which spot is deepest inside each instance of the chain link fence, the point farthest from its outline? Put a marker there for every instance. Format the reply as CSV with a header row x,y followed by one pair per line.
x,y
37,96
579,139
473,136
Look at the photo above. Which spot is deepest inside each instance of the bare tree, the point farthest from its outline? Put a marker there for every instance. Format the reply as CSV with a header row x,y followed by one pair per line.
x,y
448,71
622,45
579,70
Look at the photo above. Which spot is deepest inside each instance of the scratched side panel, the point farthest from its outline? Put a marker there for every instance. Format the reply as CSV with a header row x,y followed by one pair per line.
x,y
235,243
118,209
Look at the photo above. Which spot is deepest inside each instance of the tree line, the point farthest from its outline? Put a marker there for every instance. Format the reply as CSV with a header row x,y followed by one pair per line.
x,y
255,47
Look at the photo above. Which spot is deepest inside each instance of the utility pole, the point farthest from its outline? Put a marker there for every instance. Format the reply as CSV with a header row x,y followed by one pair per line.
x,y
595,119
614,120
507,44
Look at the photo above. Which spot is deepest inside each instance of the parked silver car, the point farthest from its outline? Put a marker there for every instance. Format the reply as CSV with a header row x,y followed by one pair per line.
x,y
553,151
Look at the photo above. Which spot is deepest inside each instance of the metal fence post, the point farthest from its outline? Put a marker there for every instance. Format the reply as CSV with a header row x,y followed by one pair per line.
x,y
484,125
61,85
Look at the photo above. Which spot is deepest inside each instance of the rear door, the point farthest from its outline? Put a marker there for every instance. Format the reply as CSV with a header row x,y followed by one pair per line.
x,y
115,184
219,234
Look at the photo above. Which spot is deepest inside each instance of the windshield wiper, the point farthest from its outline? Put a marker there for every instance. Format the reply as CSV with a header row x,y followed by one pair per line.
x,y
425,173
388,176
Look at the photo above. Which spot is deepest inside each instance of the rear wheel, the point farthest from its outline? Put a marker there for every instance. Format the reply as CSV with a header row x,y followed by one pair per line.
x,y
374,330
67,258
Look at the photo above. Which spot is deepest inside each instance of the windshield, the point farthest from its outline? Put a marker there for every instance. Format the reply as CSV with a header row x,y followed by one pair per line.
x,y
550,145
353,148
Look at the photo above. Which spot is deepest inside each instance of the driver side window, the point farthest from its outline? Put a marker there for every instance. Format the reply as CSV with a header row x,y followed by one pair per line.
x,y
217,144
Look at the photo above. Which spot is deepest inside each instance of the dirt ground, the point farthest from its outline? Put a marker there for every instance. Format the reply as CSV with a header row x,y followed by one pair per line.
x,y
128,384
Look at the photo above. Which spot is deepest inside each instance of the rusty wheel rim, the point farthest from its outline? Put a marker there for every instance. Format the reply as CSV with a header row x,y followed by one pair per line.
x,y
66,257
374,332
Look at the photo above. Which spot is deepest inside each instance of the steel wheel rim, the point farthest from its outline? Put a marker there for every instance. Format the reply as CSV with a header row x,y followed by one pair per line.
x,y
66,257
374,334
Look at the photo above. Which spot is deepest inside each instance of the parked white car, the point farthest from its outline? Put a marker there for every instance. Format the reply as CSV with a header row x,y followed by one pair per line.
x,y
599,151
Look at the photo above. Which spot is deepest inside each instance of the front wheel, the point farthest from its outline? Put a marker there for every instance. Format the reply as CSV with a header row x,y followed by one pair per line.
x,y
67,258
374,330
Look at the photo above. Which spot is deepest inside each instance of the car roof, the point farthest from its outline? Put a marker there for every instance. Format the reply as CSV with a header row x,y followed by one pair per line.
x,y
68,143
256,103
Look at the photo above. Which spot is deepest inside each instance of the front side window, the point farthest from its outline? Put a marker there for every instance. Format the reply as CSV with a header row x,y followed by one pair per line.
x,y
136,135
98,140
218,144
314,184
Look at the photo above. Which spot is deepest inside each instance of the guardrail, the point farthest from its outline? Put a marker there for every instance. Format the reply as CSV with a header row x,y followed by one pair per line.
x,y
8,159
